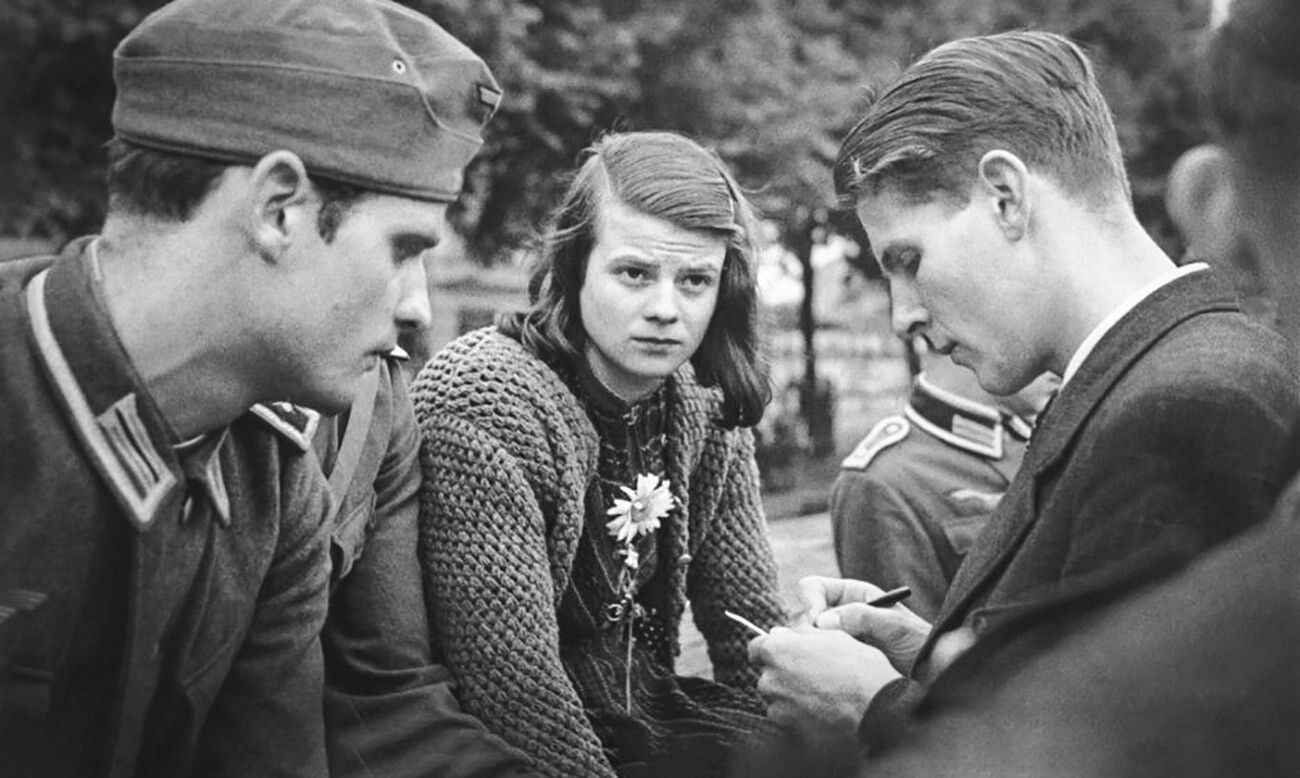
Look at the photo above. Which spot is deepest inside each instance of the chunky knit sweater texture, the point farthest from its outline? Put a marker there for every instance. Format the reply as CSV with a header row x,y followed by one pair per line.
x,y
510,458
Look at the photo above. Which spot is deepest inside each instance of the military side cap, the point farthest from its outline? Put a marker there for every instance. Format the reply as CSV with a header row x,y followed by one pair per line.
x,y
367,92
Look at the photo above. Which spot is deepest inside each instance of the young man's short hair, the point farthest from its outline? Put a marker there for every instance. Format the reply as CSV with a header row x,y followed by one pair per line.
x,y
1033,94
171,187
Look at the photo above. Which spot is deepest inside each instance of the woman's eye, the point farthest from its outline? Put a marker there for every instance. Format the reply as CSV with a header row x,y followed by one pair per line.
x,y
698,282
633,273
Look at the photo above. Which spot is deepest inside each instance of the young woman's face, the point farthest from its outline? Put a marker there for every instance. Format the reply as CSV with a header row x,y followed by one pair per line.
x,y
647,298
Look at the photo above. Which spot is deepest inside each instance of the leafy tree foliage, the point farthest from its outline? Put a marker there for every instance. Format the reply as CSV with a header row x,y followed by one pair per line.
x,y
568,68
56,95
1144,53
771,84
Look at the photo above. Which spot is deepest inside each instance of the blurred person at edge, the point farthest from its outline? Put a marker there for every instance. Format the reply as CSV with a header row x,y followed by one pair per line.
x,y
589,469
165,532
991,186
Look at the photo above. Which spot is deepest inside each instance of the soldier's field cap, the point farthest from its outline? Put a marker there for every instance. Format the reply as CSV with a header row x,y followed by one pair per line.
x,y
366,91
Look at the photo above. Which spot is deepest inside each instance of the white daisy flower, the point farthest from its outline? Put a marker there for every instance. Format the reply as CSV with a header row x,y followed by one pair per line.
x,y
641,512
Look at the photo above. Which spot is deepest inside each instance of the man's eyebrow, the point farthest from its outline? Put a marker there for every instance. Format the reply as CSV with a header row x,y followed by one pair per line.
x,y
701,267
408,244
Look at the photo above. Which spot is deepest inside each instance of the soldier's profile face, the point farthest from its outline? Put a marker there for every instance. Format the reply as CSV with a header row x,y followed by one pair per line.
x,y
355,293
954,281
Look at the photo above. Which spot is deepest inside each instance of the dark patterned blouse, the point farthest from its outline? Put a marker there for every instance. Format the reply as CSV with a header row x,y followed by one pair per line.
x,y
668,724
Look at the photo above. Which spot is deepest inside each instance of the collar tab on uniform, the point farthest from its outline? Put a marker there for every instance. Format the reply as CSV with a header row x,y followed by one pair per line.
x,y
956,420
147,472
293,422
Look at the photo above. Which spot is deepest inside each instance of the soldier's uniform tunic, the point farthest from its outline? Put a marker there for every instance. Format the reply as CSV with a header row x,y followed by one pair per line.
x,y
914,494
390,707
167,596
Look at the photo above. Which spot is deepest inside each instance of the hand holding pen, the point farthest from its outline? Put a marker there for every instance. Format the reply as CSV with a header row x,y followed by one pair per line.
x,y
891,598
865,612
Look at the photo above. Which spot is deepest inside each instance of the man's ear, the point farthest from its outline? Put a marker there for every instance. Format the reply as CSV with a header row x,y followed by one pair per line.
x,y
1004,181
280,191
1200,200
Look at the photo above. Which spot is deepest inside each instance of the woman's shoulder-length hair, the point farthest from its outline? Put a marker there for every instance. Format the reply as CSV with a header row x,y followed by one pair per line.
x,y
670,177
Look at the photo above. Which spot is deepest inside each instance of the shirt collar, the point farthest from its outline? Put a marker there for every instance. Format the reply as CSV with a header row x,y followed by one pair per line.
x,y
1132,301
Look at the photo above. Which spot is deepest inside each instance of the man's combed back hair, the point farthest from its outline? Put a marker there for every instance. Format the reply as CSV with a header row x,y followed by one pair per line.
x,y
1033,94
170,187
669,177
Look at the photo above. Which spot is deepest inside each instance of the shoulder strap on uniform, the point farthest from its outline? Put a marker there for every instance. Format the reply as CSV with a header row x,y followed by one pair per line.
x,y
886,433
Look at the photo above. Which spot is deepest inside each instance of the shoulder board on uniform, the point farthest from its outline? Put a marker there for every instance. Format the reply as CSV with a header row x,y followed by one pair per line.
x,y
294,422
886,433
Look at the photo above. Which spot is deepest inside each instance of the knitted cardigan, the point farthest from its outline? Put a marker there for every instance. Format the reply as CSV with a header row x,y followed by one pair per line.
x,y
509,454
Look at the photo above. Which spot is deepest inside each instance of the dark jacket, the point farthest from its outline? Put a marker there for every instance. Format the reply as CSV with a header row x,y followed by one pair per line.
x,y
390,709
1172,437
169,605
1195,677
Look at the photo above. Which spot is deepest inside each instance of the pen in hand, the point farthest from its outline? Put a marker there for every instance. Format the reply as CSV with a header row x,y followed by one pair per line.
x,y
891,597
885,600
746,623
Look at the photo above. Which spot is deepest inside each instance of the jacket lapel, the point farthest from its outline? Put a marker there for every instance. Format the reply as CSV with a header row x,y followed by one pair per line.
x,y
1117,351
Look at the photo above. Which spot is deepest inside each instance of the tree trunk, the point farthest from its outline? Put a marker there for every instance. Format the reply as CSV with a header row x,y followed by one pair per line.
x,y
802,240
